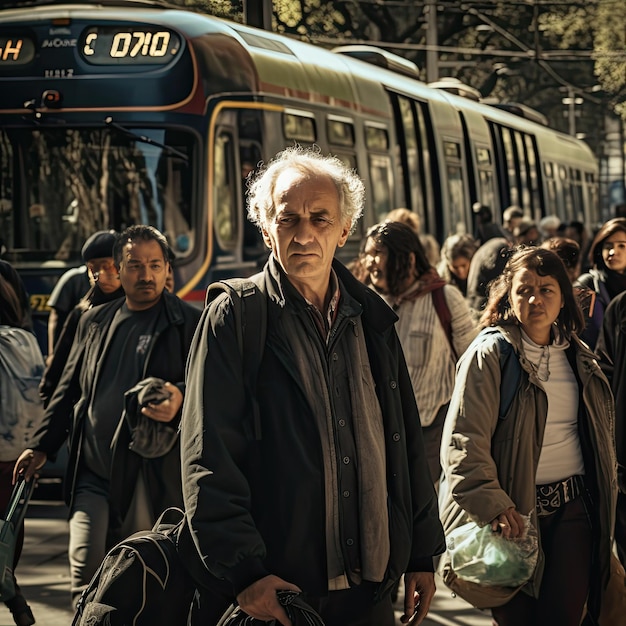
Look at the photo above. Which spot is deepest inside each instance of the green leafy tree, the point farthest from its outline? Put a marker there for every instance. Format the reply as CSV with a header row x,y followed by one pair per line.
x,y
610,47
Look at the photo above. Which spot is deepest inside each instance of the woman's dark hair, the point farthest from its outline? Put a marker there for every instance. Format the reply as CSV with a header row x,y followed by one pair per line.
x,y
11,312
567,249
400,241
545,263
616,225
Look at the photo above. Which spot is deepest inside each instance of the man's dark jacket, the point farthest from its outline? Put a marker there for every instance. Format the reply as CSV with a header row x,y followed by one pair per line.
x,y
611,351
255,503
66,413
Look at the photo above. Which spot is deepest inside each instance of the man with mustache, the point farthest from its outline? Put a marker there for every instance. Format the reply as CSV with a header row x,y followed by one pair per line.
x,y
131,345
325,489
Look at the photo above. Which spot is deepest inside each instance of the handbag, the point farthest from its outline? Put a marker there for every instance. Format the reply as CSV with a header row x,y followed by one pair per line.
x,y
9,529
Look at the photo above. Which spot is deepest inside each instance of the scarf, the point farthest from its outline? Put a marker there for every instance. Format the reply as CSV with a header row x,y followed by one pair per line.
x,y
426,283
615,282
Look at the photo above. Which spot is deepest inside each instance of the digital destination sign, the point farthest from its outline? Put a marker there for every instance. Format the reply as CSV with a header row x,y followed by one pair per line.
x,y
141,45
16,50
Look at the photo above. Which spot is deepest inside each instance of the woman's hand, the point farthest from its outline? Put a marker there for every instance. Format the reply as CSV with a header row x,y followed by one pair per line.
x,y
510,523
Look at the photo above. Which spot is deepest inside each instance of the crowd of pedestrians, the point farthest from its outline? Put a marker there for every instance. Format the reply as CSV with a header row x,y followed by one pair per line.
x,y
375,425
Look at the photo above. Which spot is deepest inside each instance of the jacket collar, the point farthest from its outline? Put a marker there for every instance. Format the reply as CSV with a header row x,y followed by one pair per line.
x,y
586,361
375,311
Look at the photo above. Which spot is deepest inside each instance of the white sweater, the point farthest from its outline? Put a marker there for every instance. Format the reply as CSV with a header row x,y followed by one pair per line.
x,y
561,455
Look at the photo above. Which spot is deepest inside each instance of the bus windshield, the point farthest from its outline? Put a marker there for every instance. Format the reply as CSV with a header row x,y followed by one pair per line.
x,y
59,185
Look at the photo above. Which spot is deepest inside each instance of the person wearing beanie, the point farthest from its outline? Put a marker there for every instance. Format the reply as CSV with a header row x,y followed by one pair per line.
x,y
117,483
105,285
74,284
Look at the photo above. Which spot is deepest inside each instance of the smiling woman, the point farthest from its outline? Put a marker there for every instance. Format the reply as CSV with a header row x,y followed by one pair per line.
x,y
553,446
607,278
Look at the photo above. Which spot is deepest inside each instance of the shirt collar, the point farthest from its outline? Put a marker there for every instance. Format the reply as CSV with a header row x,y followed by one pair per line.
x,y
325,320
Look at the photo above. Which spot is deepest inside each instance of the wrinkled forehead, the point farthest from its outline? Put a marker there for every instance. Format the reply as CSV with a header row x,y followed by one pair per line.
x,y
530,277
293,179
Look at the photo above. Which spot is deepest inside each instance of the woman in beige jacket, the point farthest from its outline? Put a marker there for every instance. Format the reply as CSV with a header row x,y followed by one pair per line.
x,y
548,453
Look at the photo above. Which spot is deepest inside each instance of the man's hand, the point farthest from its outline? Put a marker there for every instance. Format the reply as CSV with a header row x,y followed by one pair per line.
x,y
167,410
259,600
419,590
28,463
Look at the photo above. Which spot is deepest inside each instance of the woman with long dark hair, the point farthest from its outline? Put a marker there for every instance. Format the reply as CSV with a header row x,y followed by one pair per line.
x,y
434,325
606,279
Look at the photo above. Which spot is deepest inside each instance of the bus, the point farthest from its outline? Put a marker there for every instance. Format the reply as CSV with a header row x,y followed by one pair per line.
x,y
130,112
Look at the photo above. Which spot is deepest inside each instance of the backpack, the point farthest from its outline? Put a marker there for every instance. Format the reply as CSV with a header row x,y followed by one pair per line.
x,y
511,376
249,306
142,581
21,368
445,317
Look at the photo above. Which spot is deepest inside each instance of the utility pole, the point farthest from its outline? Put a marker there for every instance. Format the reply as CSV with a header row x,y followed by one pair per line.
x,y
432,41
258,13
571,101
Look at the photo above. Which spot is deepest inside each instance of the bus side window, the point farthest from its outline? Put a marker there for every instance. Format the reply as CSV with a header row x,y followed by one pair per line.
x,y
225,191
380,180
377,143
254,248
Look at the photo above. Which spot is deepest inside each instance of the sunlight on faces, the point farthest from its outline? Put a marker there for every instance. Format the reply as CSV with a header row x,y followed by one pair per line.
x,y
143,272
307,228
103,271
536,301
460,267
614,252
376,256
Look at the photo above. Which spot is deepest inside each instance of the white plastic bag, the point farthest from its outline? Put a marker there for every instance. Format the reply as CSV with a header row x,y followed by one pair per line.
x,y
480,555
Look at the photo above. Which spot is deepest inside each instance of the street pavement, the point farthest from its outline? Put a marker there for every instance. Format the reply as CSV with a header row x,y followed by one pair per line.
x,y
43,574
43,571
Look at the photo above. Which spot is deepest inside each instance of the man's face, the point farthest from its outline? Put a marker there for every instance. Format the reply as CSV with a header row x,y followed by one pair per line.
x,y
103,271
307,228
143,272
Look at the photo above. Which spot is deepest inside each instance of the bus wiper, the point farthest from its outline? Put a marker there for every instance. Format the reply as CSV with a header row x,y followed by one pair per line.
x,y
143,139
